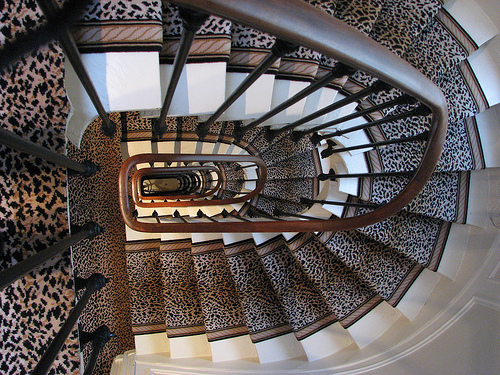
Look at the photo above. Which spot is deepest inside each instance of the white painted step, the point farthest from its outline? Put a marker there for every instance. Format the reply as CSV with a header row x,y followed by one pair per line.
x,y
255,102
454,250
469,15
316,101
331,193
152,343
341,112
486,67
116,367
124,81
318,211
230,238
415,298
174,236
488,124
128,364
326,342
190,96
373,325
347,163
132,235
279,349
233,348
282,91
190,347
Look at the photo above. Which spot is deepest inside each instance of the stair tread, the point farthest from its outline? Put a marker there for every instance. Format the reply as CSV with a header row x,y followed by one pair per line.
x,y
306,309
263,312
222,310
336,282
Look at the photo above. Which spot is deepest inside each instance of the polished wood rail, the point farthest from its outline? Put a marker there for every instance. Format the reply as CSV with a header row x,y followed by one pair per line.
x,y
130,163
299,23
141,173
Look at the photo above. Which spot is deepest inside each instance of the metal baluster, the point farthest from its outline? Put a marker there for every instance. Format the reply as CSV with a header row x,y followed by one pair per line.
x,y
278,212
265,215
330,151
191,23
92,284
200,214
404,99
226,214
338,71
279,49
50,8
8,276
177,215
375,88
333,176
99,339
9,139
335,203
419,111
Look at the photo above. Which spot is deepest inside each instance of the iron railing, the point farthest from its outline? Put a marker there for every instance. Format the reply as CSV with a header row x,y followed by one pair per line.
x,y
292,24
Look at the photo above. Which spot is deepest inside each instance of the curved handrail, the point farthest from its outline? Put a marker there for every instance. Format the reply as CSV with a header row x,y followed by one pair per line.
x,y
291,21
123,193
138,175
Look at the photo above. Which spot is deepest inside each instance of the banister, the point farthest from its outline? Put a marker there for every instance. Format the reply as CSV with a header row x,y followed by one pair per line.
x,y
123,178
292,21
137,196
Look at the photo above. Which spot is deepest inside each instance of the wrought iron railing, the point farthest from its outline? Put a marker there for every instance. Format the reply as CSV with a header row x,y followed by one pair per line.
x,y
180,198
295,23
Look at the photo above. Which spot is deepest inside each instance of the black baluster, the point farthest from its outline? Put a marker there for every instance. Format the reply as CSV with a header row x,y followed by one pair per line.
x,y
330,151
419,111
278,212
9,139
376,87
338,71
177,215
99,339
91,285
310,202
404,99
191,23
200,214
334,176
279,49
8,276
50,9
226,214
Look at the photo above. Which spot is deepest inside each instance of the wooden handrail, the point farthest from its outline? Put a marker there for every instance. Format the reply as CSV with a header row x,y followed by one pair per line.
x,y
123,178
298,22
136,182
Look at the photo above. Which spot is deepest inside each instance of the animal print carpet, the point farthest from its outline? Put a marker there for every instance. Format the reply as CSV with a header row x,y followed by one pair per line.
x,y
96,198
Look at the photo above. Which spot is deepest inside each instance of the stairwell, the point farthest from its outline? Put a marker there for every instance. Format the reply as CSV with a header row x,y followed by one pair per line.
x,y
189,303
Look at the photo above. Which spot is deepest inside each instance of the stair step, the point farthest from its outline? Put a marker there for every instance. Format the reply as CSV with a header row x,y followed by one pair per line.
x,y
373,325
287,278
124,81
372,316
332,277
264,315
224,319
385,270
153,343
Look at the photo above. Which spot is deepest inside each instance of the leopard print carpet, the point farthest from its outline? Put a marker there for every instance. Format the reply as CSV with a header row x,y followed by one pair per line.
x,y
96,199
33,203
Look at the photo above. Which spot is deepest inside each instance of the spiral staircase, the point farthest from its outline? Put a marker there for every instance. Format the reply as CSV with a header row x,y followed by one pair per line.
x,y
183,301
